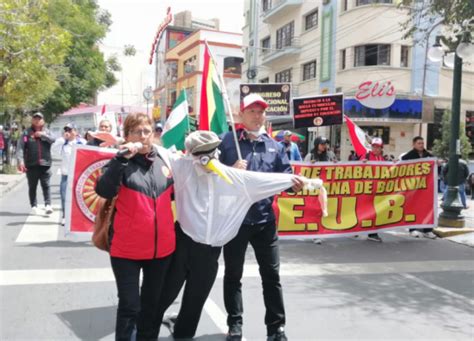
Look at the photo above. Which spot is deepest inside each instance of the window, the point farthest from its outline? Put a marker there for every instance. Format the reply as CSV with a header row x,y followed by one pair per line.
x,y
309,70
343,59
190,98
372,55
265,44
266,5
368,2
265,80
284,35
404,56
283,76
189,65
311,20
344,5
233,65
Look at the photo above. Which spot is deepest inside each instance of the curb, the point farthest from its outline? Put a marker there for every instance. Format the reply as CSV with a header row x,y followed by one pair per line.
x,y
444,232
11,183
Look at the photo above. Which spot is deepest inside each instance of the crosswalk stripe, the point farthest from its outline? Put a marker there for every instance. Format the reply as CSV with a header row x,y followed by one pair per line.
x,y
40,228
89,275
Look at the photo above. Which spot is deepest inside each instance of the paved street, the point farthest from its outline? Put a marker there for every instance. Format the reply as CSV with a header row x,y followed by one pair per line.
x,y
57,288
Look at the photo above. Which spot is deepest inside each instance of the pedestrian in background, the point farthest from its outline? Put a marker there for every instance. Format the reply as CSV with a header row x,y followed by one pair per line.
x,y
104,126
260,153
419,152
320,152
291,148
375,154
463,173
142,235
2,144
157,134
34,157
63,148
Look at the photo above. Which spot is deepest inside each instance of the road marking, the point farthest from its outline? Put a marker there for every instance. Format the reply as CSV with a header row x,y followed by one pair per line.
x,y
438,288
40,228
217,316
90,275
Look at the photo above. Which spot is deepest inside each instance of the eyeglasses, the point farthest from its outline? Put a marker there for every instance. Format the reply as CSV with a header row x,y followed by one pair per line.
x,y
67,130
139,133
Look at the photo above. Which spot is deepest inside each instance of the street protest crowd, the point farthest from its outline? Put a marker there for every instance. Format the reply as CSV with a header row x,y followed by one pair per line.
x,y
221,207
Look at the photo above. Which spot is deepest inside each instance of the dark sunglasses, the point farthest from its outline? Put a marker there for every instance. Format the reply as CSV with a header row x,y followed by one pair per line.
x,y
67,130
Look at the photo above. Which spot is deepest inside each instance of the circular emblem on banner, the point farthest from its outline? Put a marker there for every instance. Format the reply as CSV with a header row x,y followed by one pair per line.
x,y
245,89
318,121
166,172
285,88
86,197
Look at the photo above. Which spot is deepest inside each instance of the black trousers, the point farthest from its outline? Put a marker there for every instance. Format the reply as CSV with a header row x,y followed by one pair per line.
x,y
196,264
43,175
264,240
135,310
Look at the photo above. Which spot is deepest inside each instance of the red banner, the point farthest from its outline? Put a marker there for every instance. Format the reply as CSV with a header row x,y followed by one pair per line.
x,y
81,198
362,197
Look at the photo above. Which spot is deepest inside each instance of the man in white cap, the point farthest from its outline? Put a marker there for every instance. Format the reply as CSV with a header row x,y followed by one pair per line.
x,y
291,148
260,153
211,203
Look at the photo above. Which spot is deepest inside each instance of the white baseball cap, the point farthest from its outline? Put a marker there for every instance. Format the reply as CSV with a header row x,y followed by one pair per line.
x,y
251,99
377,141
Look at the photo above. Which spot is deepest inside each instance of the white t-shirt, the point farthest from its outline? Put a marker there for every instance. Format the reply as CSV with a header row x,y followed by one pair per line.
x,y
209,209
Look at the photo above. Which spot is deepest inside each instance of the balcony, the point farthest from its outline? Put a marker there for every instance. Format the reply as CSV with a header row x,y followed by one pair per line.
x,y
286,48
278,7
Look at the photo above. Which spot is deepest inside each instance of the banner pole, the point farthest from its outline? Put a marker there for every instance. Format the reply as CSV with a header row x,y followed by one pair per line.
x,y
226,101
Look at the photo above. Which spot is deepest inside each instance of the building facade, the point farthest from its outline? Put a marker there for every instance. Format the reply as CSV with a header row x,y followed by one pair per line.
x,y
333,46
184,66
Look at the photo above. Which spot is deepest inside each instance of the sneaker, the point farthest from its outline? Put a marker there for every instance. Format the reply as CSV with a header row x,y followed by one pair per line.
x,y
63,222
430,235
317,241
48,209
35,210
278,336
169,321
416,234
374,238
234,334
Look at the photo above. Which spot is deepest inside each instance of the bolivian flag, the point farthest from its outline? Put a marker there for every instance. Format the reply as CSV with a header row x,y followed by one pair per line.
x,y
212,114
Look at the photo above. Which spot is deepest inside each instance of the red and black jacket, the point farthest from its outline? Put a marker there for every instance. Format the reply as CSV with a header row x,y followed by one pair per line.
x,y
142,225
35,151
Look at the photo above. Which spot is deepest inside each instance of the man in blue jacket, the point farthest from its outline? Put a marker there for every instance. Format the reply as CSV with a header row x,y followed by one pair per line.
x,y
290,147
262,154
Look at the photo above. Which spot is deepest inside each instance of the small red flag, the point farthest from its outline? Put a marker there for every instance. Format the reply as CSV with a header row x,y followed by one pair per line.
x,y
103,110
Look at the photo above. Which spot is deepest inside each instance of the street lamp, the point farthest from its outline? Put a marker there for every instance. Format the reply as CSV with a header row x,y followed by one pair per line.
x,y
451,215
147,94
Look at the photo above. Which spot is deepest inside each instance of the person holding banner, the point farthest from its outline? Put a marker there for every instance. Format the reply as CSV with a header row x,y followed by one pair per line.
x,y
142,234
104,126
261,154
63,148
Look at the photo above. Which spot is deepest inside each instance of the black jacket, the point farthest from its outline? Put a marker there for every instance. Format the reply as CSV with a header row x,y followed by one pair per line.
x,y
413,155
463,172
35,151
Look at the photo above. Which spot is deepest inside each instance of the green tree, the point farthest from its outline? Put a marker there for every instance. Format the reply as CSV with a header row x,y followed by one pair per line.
x,y
455,15
85,70
441,146
33,49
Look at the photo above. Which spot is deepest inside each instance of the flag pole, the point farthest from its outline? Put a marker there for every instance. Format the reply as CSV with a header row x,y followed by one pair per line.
x,y
226,101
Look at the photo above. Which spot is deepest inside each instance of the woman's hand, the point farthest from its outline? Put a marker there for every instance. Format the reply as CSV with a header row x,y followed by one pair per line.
x,y
298,183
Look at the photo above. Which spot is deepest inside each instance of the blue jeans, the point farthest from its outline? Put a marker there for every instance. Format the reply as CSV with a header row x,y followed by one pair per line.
x,y
62,191
462,194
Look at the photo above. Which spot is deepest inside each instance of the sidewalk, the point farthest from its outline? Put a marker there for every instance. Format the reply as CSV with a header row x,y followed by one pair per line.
x,y
9,181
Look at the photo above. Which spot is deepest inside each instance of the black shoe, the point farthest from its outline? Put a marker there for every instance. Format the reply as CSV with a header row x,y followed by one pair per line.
x,y
278,336
169,321
234,334
374,238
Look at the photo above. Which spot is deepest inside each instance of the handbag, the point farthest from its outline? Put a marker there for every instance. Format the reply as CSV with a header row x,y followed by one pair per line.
x,y
103,220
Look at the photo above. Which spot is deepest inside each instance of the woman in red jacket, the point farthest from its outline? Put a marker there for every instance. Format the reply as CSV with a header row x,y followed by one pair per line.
x,y
142,235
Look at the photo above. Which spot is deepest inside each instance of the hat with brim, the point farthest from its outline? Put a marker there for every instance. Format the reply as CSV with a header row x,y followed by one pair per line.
x,y
70,126
253,99
377,141
201,142
38,114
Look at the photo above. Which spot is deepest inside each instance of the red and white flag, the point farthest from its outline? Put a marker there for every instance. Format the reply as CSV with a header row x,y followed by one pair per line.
x,y
358,137
102,112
